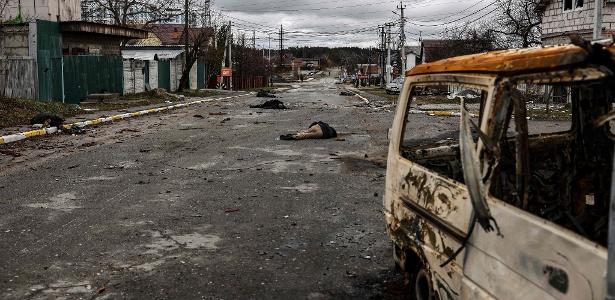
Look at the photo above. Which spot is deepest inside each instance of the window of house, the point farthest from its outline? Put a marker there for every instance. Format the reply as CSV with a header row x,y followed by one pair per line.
x,y
572,4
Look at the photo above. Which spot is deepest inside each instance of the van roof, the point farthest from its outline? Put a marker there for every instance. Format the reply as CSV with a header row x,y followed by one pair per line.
x,y
507,61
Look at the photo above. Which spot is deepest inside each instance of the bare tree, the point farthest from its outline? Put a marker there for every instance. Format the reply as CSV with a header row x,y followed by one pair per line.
x,y
464,40
199,44
3,7
125,12
205,43
518,22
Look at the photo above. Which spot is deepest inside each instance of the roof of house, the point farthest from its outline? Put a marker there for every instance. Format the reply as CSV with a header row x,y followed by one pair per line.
x,y
103,29
507,61
169,34
202,34
151,40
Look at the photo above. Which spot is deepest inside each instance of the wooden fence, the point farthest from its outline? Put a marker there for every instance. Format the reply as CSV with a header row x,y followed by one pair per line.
x,y
18,77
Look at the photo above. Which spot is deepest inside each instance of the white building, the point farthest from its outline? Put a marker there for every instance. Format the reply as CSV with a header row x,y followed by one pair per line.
x,y
562,17
48,10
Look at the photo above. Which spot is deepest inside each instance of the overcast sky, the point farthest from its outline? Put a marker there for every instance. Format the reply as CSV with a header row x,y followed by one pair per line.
x,y
347,22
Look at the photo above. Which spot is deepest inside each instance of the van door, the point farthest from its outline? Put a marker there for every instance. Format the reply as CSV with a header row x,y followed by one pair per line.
x,y
431,201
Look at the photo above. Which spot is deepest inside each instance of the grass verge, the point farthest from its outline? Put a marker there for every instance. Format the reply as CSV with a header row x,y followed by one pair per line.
x,y
15,112
376,91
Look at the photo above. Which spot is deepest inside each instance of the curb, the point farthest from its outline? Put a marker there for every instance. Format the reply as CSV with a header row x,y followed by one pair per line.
x,y
363,98
39,132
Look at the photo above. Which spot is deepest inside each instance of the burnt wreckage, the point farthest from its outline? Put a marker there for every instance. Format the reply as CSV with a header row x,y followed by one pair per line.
x,y
542,200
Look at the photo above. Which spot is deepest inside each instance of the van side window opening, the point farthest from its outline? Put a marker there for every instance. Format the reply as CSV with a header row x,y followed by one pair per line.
x,y
570,158
431,132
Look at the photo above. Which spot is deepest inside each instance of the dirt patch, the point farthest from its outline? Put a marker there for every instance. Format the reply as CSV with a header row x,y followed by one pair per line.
x,y
16,112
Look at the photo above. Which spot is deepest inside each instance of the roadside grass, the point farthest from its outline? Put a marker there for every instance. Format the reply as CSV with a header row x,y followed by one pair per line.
x,y
122,105
377,91
197,93
156,96
555,113
15,112
269,88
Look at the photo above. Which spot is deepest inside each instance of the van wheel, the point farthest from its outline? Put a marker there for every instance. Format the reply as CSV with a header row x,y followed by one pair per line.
x,y
420,286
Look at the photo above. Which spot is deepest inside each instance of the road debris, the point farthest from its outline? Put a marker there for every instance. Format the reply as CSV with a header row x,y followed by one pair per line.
x,y
265,94
270,104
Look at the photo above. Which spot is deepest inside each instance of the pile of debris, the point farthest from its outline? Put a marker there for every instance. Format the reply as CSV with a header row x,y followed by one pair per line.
x,y
265,94
270,104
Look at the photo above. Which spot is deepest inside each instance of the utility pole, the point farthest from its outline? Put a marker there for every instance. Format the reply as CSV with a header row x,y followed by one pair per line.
x,y
402,36
269,49
281,43
598,19
388,44
230,53
186,48
381,62
253,39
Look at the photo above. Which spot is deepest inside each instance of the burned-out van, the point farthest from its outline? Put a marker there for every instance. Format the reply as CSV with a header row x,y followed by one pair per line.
x,y
495,200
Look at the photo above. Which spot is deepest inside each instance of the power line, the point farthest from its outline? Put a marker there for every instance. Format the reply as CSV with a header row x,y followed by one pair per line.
x,y
456,20
310,9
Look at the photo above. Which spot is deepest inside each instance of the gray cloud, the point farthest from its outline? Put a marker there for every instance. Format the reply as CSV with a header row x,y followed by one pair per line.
x,y
343,23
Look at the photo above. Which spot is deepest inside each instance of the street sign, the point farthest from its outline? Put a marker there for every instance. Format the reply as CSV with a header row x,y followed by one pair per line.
x,y
227,72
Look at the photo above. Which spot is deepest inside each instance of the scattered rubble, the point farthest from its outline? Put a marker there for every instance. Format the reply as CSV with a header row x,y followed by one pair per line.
x,y
265,94
270,104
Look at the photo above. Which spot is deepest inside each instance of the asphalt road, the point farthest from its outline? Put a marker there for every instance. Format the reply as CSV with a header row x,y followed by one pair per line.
x,y
203,202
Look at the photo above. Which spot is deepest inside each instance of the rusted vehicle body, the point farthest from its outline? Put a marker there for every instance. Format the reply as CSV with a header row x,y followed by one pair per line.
x,y
495,211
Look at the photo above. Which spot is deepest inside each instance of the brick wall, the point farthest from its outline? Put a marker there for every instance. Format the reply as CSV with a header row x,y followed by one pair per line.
x,y
557,23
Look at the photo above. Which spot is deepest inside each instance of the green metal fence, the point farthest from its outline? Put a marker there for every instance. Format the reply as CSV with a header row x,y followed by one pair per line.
x,y
164,75
85,75
49,57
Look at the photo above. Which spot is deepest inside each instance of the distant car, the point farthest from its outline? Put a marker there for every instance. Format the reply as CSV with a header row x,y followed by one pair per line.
x,y
394,86
338,81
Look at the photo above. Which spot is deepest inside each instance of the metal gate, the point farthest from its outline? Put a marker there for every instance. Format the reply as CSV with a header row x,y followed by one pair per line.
x,y
164,75
49,61
200,75
85,75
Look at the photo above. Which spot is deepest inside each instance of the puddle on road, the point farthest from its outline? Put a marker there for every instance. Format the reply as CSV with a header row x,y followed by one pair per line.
x,y
168,242
303,188
63,202
212,161
358,138
101,178
60,289
197,240
150,265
